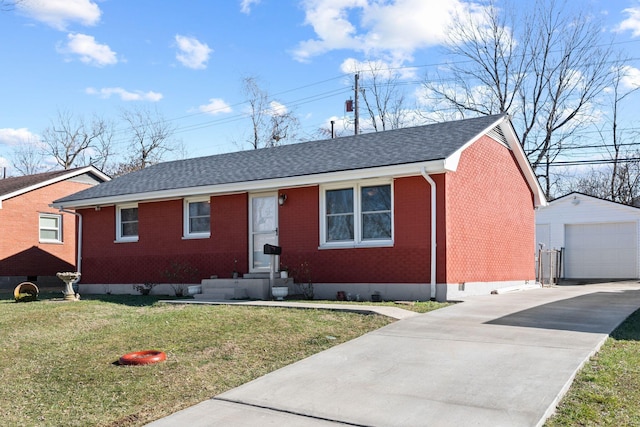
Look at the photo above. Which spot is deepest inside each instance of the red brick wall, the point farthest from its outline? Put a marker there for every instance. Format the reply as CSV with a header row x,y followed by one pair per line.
x,y
161,248
21,253
408,261
485,233
490,217
160,241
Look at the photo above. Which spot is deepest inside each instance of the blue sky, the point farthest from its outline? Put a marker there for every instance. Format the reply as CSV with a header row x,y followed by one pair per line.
x,y
186,59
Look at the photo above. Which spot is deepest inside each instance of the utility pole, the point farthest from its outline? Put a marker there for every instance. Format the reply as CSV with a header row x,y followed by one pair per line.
x,y
356,122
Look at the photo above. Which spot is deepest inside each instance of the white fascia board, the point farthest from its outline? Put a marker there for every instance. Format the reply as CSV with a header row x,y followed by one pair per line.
x,y
434,166
539,197
451,162
63,177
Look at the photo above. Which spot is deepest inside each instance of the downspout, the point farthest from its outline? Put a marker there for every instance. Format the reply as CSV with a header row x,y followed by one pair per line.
x,y
434,242
79,241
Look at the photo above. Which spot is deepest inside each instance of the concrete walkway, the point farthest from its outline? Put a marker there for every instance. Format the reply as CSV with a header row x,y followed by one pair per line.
x,y
495,360
389,311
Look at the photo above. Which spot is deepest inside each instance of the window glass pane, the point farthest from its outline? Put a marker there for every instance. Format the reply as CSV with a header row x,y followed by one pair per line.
x,y
377,198
129,214
376,226
199,225
48,222
264,213
130,228
199,209
339,228
339,201
49,234
199,217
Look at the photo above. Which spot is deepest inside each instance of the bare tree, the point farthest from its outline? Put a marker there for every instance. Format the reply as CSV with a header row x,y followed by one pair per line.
x,y
545,67
103,152
271,122
70,138
28,159
619,179
622,183
382,96
150,138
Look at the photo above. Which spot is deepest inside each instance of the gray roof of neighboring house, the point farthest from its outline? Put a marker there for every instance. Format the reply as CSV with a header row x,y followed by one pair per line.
x,y
16,185
394,147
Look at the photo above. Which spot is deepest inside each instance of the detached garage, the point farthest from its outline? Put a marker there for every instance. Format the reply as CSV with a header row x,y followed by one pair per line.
x,y
599,238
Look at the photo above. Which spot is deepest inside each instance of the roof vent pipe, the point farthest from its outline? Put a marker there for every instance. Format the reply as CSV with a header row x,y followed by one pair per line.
x,y
333,129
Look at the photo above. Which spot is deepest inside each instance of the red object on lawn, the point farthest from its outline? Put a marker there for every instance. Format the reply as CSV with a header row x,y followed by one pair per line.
x,y
143,357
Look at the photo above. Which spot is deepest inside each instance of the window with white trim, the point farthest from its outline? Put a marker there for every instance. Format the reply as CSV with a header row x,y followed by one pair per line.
x,y
127,223
357,215
197,218
50,228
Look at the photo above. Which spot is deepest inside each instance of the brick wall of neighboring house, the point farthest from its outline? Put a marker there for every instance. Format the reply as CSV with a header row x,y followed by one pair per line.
x,y
160,251
490,217
21,253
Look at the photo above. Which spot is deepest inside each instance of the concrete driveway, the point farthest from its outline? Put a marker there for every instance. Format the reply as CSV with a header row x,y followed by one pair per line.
x,y
495,360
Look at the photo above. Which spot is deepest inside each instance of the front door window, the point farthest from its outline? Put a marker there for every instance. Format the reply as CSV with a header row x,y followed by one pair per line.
x,y
264,229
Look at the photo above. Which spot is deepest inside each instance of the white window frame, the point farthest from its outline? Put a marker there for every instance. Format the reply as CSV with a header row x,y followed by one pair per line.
x,y
58,229
186,234
357,241
119,236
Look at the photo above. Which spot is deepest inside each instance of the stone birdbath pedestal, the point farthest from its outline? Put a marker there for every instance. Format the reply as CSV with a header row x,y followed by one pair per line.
x,y
69,278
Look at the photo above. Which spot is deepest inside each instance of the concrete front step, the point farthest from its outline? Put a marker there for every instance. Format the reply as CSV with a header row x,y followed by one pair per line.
x,y
257,288
222,293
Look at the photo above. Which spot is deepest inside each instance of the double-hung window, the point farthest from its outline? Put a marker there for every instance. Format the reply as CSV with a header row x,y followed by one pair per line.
x,y
50,228
357,215
197,218
127,223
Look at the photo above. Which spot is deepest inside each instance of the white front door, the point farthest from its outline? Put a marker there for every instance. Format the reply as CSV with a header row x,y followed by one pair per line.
x,y
263,228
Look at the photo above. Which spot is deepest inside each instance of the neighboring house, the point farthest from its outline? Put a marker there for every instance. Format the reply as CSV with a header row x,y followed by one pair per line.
x,y
598,238
354,214
36,240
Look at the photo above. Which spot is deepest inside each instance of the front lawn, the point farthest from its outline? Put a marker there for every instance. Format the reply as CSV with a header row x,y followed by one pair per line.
x,y
606,392
58,359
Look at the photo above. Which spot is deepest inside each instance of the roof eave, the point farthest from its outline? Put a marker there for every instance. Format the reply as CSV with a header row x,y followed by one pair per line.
x,y
539,198
63,177
433,166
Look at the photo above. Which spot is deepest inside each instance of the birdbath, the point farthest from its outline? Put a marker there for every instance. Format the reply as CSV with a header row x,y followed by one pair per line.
x,y
68,278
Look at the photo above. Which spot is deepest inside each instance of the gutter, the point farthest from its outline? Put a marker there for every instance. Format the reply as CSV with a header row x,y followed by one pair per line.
x,y
78,241
434,242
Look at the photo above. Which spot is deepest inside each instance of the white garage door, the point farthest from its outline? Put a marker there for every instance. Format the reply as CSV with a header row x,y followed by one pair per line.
x,y
601,251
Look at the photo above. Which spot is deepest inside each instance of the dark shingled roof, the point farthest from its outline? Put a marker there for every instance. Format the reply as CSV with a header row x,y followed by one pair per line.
x,y
394,147
11,185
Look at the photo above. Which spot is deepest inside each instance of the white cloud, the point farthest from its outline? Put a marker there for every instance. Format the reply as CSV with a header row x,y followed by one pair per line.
x,y
88,50
13,137
245,5
382,69
277,109
395,29
125,95
60,13
632,23
215,106
630,77
192,53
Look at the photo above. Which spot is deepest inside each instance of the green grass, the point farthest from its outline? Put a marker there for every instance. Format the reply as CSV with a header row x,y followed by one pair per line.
x,y
606,392
58,359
